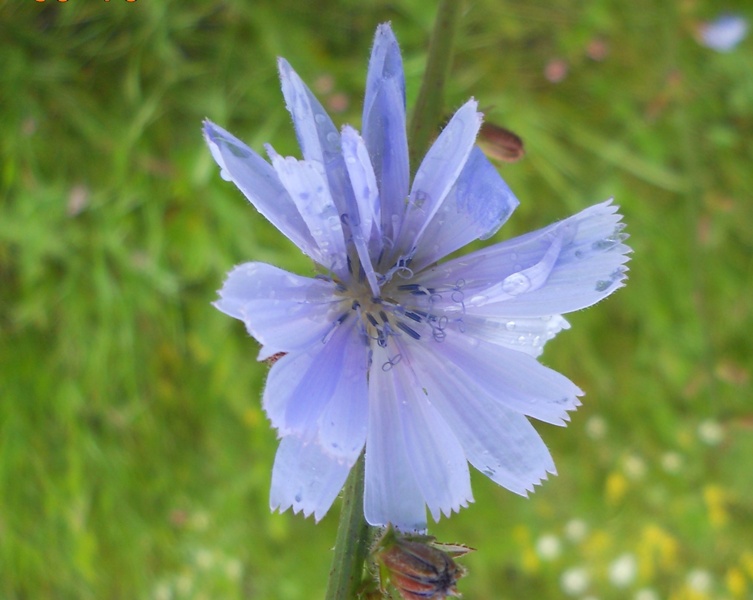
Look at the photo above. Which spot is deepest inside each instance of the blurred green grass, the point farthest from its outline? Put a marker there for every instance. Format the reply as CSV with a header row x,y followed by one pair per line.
x,y
134,456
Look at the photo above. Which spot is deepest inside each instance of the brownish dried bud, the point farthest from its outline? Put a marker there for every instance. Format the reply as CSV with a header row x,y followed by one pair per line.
x,y
500,143
419,567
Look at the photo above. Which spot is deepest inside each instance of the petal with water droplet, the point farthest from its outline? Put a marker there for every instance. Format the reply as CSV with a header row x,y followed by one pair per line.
x,y
305,479
258,181
283,311
476,207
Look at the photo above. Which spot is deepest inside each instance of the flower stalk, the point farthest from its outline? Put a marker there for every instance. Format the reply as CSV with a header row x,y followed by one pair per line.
x,y
352,542
428,110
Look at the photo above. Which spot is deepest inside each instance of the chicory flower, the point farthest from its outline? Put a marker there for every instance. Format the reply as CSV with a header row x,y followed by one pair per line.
x,y
426,365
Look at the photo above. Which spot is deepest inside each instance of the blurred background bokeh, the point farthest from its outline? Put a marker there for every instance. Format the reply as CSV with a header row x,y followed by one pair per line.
x,y
134,456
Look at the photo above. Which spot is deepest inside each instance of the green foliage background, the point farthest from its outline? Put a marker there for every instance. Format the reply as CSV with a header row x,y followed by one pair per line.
x,y
134,457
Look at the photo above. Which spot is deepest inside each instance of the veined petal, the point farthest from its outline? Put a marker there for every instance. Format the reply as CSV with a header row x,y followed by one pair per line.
x,y
498,441
321,394
258,181
384,128
385,63
307,186
516,379
305,478
391,494
283,311
436,459
526,334
363,219
343,423
476,207
317,135
564,267
438,172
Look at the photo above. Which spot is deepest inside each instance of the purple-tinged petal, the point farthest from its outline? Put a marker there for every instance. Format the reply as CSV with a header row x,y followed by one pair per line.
x,y
305,478
307,185
416,430
476,207
438,172
496,440
344,421
320,394
258,181
283,311
516,379
363,219
385,64
527,334
384,128
564,267
391,494
317,135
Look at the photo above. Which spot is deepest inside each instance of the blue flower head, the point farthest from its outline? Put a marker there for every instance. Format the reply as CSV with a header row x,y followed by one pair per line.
x,y
426,365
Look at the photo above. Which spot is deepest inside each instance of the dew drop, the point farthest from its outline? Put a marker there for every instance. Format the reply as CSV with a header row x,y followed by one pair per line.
x,y
332,137
298,497
510,325
516,284
225,175
320,118
603,285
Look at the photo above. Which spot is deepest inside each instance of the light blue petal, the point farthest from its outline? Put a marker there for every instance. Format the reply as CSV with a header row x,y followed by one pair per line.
x,y
498,441
410,429
307,185
476,207
526,334
321,394
305,478
283,311
363,217
343,423
384,128
516,379
391,493
258,181
317,135
564,267
438,172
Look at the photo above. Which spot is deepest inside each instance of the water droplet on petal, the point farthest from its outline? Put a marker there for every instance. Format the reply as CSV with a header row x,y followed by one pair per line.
x,y
515,284
320,118
510,325
603,285
225,175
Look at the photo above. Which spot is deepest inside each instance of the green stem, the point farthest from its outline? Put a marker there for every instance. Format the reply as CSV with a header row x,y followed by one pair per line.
x,y
351,546
428,110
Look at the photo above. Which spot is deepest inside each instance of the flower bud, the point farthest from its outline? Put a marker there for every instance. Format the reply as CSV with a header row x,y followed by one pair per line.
x,y
419,567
